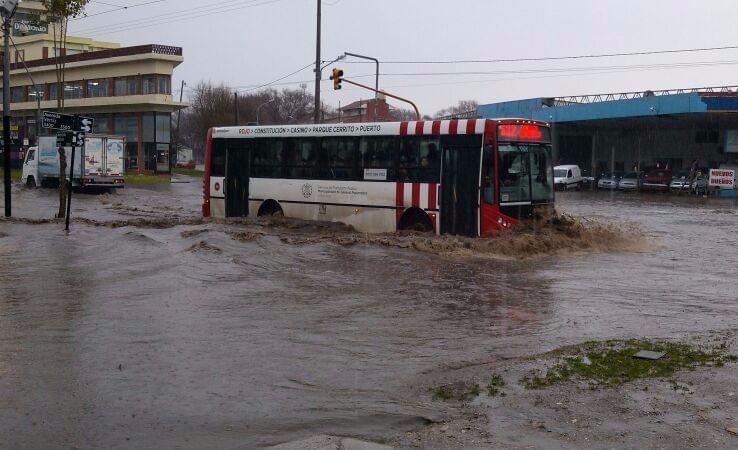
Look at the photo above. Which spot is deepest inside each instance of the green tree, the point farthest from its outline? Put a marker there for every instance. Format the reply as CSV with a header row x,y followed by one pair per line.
x,y
60,11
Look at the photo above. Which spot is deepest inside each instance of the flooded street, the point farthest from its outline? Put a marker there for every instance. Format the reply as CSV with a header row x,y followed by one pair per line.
x,y
181,333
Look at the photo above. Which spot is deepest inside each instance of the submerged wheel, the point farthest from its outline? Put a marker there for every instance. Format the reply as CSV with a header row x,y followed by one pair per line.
x,y
270,208
31,182
415,219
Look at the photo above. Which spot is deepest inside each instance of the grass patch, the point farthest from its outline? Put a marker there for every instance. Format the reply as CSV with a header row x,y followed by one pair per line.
x,y
15,174
144,179
611,363
189,172
457,391
495,385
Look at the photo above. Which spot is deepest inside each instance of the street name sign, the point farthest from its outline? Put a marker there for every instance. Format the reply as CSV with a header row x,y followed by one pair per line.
x,y
66,122
70,139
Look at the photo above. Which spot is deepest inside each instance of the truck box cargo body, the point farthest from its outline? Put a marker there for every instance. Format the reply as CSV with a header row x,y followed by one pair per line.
x,y
98,164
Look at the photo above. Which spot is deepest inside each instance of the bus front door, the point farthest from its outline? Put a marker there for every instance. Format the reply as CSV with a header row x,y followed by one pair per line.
x,y
460,191
237,182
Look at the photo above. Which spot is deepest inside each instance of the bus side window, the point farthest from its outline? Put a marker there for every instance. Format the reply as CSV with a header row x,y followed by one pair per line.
x,y
376,153
488,175
266,158
300,158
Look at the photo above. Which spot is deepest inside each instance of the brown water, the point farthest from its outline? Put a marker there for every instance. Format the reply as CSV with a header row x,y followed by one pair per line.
x,y
215,335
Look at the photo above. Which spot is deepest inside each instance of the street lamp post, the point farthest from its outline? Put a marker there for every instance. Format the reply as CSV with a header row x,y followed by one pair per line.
x,y
376,61
7,9
258,110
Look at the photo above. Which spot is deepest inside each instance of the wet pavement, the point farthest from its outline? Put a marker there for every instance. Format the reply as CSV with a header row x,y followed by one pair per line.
x,y
148,337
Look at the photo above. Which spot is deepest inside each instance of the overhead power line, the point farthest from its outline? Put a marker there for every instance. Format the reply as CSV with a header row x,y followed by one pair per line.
x,y
597,70
271,83
177,16
117,8
555,58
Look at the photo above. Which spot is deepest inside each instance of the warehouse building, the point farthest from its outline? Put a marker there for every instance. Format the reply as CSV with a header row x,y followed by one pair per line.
x,y
128,90
636,130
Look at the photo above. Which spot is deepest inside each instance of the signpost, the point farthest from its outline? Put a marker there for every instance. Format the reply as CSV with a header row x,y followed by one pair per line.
x,y
72,133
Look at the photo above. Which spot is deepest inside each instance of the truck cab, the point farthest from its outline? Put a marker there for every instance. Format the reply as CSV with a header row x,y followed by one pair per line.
x,y
30,168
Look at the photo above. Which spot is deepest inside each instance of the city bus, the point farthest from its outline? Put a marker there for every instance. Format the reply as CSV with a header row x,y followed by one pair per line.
x,y
474,177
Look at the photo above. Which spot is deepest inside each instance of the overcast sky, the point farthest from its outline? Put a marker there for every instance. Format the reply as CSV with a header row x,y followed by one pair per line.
x,y
246,43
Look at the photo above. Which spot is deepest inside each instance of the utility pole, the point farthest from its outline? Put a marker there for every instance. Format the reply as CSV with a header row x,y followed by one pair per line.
x,y
179,116
235,107
6,111
316,117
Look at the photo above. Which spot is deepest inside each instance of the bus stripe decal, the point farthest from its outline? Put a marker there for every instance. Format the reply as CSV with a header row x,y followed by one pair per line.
x,y
471,126
461,126
424,196
419,128
432,190
400,199
436,127
453,126
428,128
408,199
416,195
403,129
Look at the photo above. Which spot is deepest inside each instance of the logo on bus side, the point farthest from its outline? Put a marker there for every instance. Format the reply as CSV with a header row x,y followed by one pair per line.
x,y
307,190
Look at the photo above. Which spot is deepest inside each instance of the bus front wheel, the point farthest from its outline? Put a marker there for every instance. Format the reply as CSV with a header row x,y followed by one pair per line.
x,y
415,219
270,208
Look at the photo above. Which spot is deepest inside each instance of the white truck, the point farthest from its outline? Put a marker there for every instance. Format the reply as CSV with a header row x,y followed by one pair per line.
x,y
98,164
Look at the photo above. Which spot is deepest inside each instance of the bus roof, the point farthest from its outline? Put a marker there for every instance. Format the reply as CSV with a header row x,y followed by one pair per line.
x,y
412,128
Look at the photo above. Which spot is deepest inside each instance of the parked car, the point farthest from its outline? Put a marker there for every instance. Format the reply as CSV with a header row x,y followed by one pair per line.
x,y
185,164
631,181
568,177
657,180
680,182
609,180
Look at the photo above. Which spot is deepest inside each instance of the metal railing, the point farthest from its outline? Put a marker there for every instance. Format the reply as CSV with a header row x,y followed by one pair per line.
x,y
104,54
599,98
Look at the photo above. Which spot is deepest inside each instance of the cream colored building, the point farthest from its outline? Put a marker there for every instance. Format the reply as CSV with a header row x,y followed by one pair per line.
x,y
128,90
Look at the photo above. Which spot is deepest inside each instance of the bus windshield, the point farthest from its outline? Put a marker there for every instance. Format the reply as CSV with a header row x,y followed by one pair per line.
x,y
526,173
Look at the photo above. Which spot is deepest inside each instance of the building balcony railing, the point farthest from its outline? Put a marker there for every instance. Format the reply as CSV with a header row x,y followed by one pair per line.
x,y
103,54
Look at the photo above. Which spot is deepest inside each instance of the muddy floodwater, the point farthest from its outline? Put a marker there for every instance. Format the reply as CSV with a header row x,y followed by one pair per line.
x,y
181,333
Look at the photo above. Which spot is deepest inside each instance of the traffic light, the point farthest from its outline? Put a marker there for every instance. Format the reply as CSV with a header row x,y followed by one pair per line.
x,y
337,78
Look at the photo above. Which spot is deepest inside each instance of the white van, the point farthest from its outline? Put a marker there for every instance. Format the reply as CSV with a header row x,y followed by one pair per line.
x,y
568,177
30,168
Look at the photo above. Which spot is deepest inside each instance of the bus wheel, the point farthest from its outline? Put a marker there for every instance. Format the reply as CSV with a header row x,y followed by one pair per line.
x,y
31,182
270,208
415,219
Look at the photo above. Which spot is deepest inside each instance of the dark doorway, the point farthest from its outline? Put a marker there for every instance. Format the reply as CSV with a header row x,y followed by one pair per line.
x,y
238,168
460,188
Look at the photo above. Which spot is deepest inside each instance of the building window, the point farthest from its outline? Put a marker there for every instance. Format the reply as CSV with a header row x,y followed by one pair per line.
x,y
17,94
149,127
126,86
53,89
126,125
149,85
163,127
97,88
32,97
72,90
165,85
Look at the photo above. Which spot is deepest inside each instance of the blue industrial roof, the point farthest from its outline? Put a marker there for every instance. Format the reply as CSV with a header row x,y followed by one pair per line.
x,y
645,106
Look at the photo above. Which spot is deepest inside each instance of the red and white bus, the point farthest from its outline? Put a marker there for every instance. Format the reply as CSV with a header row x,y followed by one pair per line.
x,y
466,177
